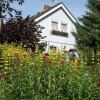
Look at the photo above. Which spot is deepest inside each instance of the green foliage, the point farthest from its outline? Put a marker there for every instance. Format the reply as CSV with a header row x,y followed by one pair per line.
x,y
16,29
48,76
88,32
20,30
49,83
5,7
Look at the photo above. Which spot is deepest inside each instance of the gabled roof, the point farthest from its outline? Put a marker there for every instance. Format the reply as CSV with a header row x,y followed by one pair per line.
x,y
56,7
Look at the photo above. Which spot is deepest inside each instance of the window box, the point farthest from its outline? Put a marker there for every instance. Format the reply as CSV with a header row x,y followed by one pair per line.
x,y
59,33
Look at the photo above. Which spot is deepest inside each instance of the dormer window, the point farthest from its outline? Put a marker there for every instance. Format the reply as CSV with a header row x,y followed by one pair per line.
x,y
63,27
54,25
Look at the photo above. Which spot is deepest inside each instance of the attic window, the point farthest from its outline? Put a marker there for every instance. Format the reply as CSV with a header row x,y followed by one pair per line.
x,y
54,25
63,27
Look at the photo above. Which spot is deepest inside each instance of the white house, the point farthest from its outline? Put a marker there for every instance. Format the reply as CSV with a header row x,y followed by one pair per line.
x,y
58,25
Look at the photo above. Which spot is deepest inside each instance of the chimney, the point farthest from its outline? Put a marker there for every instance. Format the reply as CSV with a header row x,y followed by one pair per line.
x,y
46,7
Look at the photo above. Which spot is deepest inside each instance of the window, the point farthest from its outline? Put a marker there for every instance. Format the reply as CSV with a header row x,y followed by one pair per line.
x,y
54,25
64,27
60,32
52,47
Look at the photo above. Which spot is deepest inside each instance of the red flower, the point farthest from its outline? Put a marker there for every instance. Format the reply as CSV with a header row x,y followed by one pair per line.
x,y
46,54
98,84
46,57
2,74
62,61
16,55
26,55
31,54
94,66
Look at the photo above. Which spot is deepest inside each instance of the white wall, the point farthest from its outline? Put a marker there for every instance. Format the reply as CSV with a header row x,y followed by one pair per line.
x,y
58,41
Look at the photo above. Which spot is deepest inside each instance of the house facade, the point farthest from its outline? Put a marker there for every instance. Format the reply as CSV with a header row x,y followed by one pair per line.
x,y
58,25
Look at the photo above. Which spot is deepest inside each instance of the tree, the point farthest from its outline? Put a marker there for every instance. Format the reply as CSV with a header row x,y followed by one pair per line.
x,y
18,30
88,31
5,7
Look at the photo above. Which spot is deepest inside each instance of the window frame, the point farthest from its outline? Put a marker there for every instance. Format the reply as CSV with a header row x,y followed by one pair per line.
x,y
52,25
66,27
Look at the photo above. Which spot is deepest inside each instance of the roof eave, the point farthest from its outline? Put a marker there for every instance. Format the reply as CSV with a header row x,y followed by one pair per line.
x,y
60,5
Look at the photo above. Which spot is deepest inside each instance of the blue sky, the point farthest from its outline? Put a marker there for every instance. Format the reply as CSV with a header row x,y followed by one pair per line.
x,y
31,7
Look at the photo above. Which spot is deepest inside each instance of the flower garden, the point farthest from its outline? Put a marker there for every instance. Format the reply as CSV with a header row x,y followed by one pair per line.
x,y
25,75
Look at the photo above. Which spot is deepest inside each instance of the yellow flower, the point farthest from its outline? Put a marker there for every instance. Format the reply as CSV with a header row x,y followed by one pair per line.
x,y
6,68
21,64
6,61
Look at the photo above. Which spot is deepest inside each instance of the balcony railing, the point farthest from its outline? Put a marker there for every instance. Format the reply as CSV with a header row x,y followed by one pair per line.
x,y
59,33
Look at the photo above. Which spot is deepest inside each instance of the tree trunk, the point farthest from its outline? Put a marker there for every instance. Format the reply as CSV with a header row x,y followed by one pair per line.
x,y
0,23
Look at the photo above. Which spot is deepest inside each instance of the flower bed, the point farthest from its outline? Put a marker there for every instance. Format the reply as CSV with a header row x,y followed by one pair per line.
x,y
59,33
50,76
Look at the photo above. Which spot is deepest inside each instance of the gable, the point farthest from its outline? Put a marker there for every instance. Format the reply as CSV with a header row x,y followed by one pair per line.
x,y
54,10
59,15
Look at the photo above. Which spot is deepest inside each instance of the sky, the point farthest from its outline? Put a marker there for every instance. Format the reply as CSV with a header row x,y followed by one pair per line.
x,y
32,7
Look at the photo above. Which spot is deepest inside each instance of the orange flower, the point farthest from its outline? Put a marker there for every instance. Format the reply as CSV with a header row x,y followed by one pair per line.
x,y
62,61
46,54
